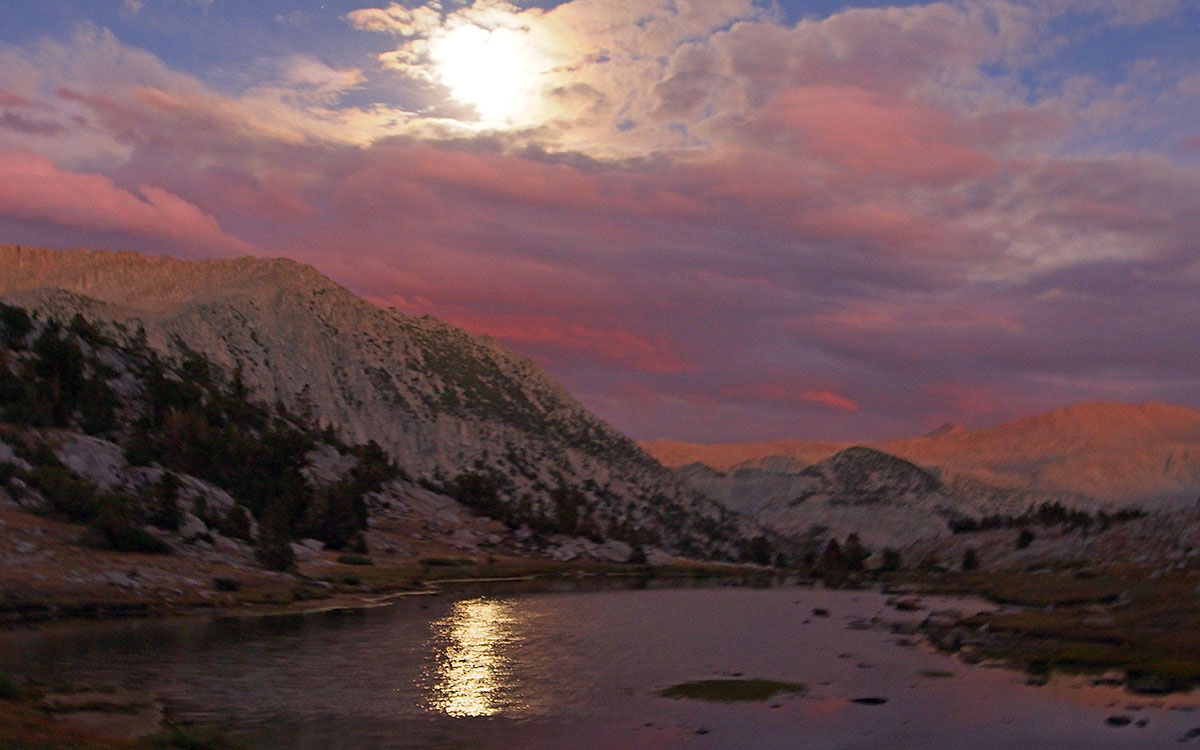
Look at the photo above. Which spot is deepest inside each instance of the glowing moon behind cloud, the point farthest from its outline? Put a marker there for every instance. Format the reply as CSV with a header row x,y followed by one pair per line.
x,y
494,71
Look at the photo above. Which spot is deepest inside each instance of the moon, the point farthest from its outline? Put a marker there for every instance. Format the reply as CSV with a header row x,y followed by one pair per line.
x,y
492,70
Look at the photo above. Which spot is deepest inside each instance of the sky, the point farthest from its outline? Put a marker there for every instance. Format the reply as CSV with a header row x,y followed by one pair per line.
x,y
711,220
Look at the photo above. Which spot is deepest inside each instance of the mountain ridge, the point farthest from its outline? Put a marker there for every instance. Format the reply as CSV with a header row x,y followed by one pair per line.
x,y
1115,452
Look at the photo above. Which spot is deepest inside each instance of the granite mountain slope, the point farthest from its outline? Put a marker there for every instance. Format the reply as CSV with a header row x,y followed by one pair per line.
x,y
453,410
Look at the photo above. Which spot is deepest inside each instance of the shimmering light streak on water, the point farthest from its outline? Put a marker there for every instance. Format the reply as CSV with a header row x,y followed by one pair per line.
x,y
473,670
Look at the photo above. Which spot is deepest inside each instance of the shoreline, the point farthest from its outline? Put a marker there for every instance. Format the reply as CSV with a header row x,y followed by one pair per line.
x,y
32,611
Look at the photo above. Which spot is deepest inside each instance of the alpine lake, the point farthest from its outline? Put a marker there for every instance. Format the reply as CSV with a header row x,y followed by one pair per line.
x,y
560,665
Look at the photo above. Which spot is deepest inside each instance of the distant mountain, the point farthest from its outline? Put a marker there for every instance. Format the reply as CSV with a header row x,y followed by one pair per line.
x,y
455,411
1118,454
726,456
886,500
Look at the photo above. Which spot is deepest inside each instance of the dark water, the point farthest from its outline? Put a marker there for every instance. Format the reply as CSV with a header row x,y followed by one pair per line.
x,y
503,669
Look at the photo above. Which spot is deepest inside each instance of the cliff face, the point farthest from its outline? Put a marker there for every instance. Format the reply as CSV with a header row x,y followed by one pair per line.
x,y
440,401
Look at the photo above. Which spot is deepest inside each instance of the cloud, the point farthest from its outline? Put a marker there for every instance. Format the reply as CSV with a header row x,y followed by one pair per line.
x,y
845,226
115,99
830,399
867,133
22,124
791,393
557,339
399,19
34,189
293,18
583,66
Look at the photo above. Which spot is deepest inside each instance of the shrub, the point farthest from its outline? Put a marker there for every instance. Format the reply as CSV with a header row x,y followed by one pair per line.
x,y
135,539
118,530
17,325
1024,539
890,561
164,508
758,551
236,524
970,559
274,551
9,689
832,560
478,492
7,472
854,552
67,495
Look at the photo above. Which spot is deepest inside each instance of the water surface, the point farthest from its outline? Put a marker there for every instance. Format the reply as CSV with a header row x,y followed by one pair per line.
x,y
492,668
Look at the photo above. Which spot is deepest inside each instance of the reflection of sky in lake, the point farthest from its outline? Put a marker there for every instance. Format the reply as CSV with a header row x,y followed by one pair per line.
x,y
473,668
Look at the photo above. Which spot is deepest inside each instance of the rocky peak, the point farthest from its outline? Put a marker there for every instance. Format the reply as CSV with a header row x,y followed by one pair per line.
x,y
864,475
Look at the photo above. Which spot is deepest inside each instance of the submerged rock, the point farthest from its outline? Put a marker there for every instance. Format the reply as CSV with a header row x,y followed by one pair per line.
x,y
942,618
1150,685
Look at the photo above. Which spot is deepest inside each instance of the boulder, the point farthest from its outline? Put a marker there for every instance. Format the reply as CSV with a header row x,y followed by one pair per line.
x,y
303,553
566,552
613,551
192,527
951,640
316,545
7,456
942,618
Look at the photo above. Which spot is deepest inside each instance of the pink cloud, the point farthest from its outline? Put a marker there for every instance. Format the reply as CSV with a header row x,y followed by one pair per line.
x,y
790,393
33,188
830,399
868,132
12,99
441,179
546,333
872,318
278,195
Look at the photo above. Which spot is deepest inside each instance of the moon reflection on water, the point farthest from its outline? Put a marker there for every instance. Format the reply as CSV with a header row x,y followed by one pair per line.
x,y
473,671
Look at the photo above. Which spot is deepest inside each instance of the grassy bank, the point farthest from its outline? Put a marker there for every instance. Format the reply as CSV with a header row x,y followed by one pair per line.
x,y
34,717
1085,620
